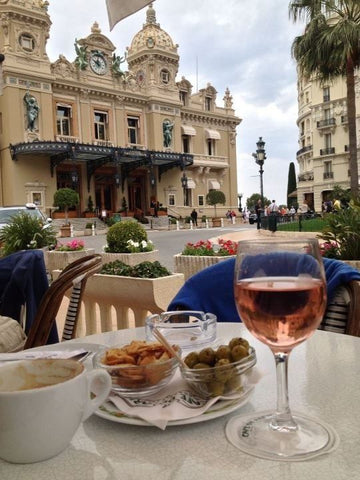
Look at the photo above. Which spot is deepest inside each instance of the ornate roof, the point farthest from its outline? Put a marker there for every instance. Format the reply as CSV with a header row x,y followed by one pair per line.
x,y
152,36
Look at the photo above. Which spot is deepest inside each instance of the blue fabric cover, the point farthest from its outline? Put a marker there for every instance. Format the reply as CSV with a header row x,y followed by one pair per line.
x,y
211,290
23,279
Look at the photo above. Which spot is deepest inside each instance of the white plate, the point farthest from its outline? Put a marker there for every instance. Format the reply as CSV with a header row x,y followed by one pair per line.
x,y
219,409
69,346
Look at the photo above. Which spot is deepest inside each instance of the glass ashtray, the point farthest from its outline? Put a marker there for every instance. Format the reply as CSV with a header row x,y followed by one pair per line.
x,y
185,328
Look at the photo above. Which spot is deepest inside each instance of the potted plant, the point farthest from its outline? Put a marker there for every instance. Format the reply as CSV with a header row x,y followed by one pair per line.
x,y
214,197
65,253
130,293
88,228
25,232
342,234
65,198
202,254
89,212
124,207
127,241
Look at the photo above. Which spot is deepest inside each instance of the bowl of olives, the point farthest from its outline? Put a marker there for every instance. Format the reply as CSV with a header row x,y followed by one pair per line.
x,y
213,372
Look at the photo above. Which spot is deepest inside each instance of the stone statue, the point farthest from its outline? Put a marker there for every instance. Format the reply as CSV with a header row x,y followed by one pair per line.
x,y
116,62
80,60
167,132
32,110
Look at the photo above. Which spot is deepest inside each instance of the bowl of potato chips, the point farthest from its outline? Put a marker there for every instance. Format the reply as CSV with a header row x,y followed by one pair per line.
x,y
139,368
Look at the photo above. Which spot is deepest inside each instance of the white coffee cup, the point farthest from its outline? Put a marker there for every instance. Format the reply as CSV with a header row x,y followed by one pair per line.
x,y
42,403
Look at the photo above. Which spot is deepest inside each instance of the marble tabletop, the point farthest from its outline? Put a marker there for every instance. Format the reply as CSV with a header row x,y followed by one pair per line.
x,y
324,382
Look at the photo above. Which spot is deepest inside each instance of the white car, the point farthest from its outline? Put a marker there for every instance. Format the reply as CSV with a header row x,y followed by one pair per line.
x,y
6,213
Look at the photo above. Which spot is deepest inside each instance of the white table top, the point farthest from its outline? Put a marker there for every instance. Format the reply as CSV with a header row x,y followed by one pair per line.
x,y
324,382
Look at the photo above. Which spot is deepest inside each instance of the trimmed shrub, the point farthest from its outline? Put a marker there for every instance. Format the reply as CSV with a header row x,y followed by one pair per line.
x,y
120,233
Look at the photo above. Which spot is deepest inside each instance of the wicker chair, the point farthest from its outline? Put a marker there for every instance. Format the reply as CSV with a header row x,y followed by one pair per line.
x,y
74,277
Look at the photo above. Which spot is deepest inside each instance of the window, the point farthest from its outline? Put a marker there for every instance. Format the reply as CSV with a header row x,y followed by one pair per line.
x,y
328,173
327,113
201,200
171,200
183,97
327,140
100,125
210,142
302,128
164,76
186,143
208,102
27,42
133,129
326,94
63,119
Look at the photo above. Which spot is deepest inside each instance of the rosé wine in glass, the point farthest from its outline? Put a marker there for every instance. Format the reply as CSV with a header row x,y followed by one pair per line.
x,y
280,294
281,311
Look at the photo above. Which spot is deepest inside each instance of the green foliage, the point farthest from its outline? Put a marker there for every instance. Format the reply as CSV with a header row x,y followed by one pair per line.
x,y
203,219
339,193
65,198
307,225
120,233
89,225
25,232
291,184
343,228
214,197
124,205
90,207
142,270
252,201
187,219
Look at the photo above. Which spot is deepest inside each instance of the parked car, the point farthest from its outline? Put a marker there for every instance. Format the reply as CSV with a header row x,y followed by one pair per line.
x,y
7,213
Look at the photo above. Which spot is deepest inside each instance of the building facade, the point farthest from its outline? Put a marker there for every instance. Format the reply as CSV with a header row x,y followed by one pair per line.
x,y
130,137
323,156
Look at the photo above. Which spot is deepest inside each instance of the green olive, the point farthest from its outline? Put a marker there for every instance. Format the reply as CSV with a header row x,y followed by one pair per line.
x,y
239,352
207,355
233,384
216,388
223,352
191,359
223,370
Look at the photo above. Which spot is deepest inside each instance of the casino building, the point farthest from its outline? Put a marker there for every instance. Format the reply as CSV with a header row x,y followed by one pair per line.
x,y
133,137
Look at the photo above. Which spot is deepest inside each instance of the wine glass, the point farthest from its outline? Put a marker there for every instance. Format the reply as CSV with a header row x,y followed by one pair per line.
x,y
280,294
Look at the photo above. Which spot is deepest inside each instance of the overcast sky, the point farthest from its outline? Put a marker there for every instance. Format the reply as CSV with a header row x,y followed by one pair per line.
x,y
240,44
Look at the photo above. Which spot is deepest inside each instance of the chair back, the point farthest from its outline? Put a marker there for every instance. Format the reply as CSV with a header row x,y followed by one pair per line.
x,y
74,277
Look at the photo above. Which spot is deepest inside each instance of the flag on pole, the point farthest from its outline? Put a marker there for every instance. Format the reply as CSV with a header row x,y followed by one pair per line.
x,y
119,9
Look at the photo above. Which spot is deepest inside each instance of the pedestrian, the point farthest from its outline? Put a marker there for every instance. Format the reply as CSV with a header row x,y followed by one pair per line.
x,y
194,216
258,210
273,213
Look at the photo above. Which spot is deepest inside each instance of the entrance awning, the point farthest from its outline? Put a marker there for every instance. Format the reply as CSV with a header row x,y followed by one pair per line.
x,y
96,156
188,130
191,183
214,185
214,134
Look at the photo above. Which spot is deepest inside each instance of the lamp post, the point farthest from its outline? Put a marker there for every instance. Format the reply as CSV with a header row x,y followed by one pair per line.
x,y
240,195
260,157
184,184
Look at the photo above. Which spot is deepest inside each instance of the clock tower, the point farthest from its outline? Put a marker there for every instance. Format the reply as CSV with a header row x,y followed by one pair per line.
x,y
24,33
153,58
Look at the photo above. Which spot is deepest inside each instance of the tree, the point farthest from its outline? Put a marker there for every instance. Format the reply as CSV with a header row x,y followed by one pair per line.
x,y
65,198
252,201
329,48
291,183
214,197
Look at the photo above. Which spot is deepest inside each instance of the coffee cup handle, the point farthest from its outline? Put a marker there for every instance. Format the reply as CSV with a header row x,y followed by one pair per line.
x,y
102,390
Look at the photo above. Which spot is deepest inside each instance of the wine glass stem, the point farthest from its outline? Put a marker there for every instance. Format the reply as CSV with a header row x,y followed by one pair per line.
x,y
282,419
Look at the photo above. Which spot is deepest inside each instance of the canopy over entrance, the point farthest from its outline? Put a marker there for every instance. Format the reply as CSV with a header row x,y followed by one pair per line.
x,y
95,156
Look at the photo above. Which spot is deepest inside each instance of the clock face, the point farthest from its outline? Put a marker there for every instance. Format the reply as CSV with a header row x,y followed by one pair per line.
x,y
98,63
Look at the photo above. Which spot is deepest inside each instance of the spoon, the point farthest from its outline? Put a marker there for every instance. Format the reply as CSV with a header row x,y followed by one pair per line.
x,y
157,334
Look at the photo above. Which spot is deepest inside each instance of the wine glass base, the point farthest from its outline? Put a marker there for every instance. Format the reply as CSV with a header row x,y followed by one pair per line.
x,y
253,435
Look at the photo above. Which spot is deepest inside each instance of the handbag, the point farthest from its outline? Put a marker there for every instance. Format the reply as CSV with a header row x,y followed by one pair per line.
x,y
12,336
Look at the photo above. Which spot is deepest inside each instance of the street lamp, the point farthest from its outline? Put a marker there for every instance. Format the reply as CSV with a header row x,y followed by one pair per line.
x,y
240,195
260,157
184,184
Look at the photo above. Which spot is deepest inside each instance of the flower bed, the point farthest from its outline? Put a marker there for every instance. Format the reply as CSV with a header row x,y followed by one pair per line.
x,y
203,254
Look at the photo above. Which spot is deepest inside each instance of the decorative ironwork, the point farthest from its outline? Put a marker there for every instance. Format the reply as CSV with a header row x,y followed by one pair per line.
x,y
96,156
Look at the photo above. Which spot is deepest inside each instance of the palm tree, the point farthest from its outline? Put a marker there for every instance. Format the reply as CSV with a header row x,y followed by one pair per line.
x,y
330,47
